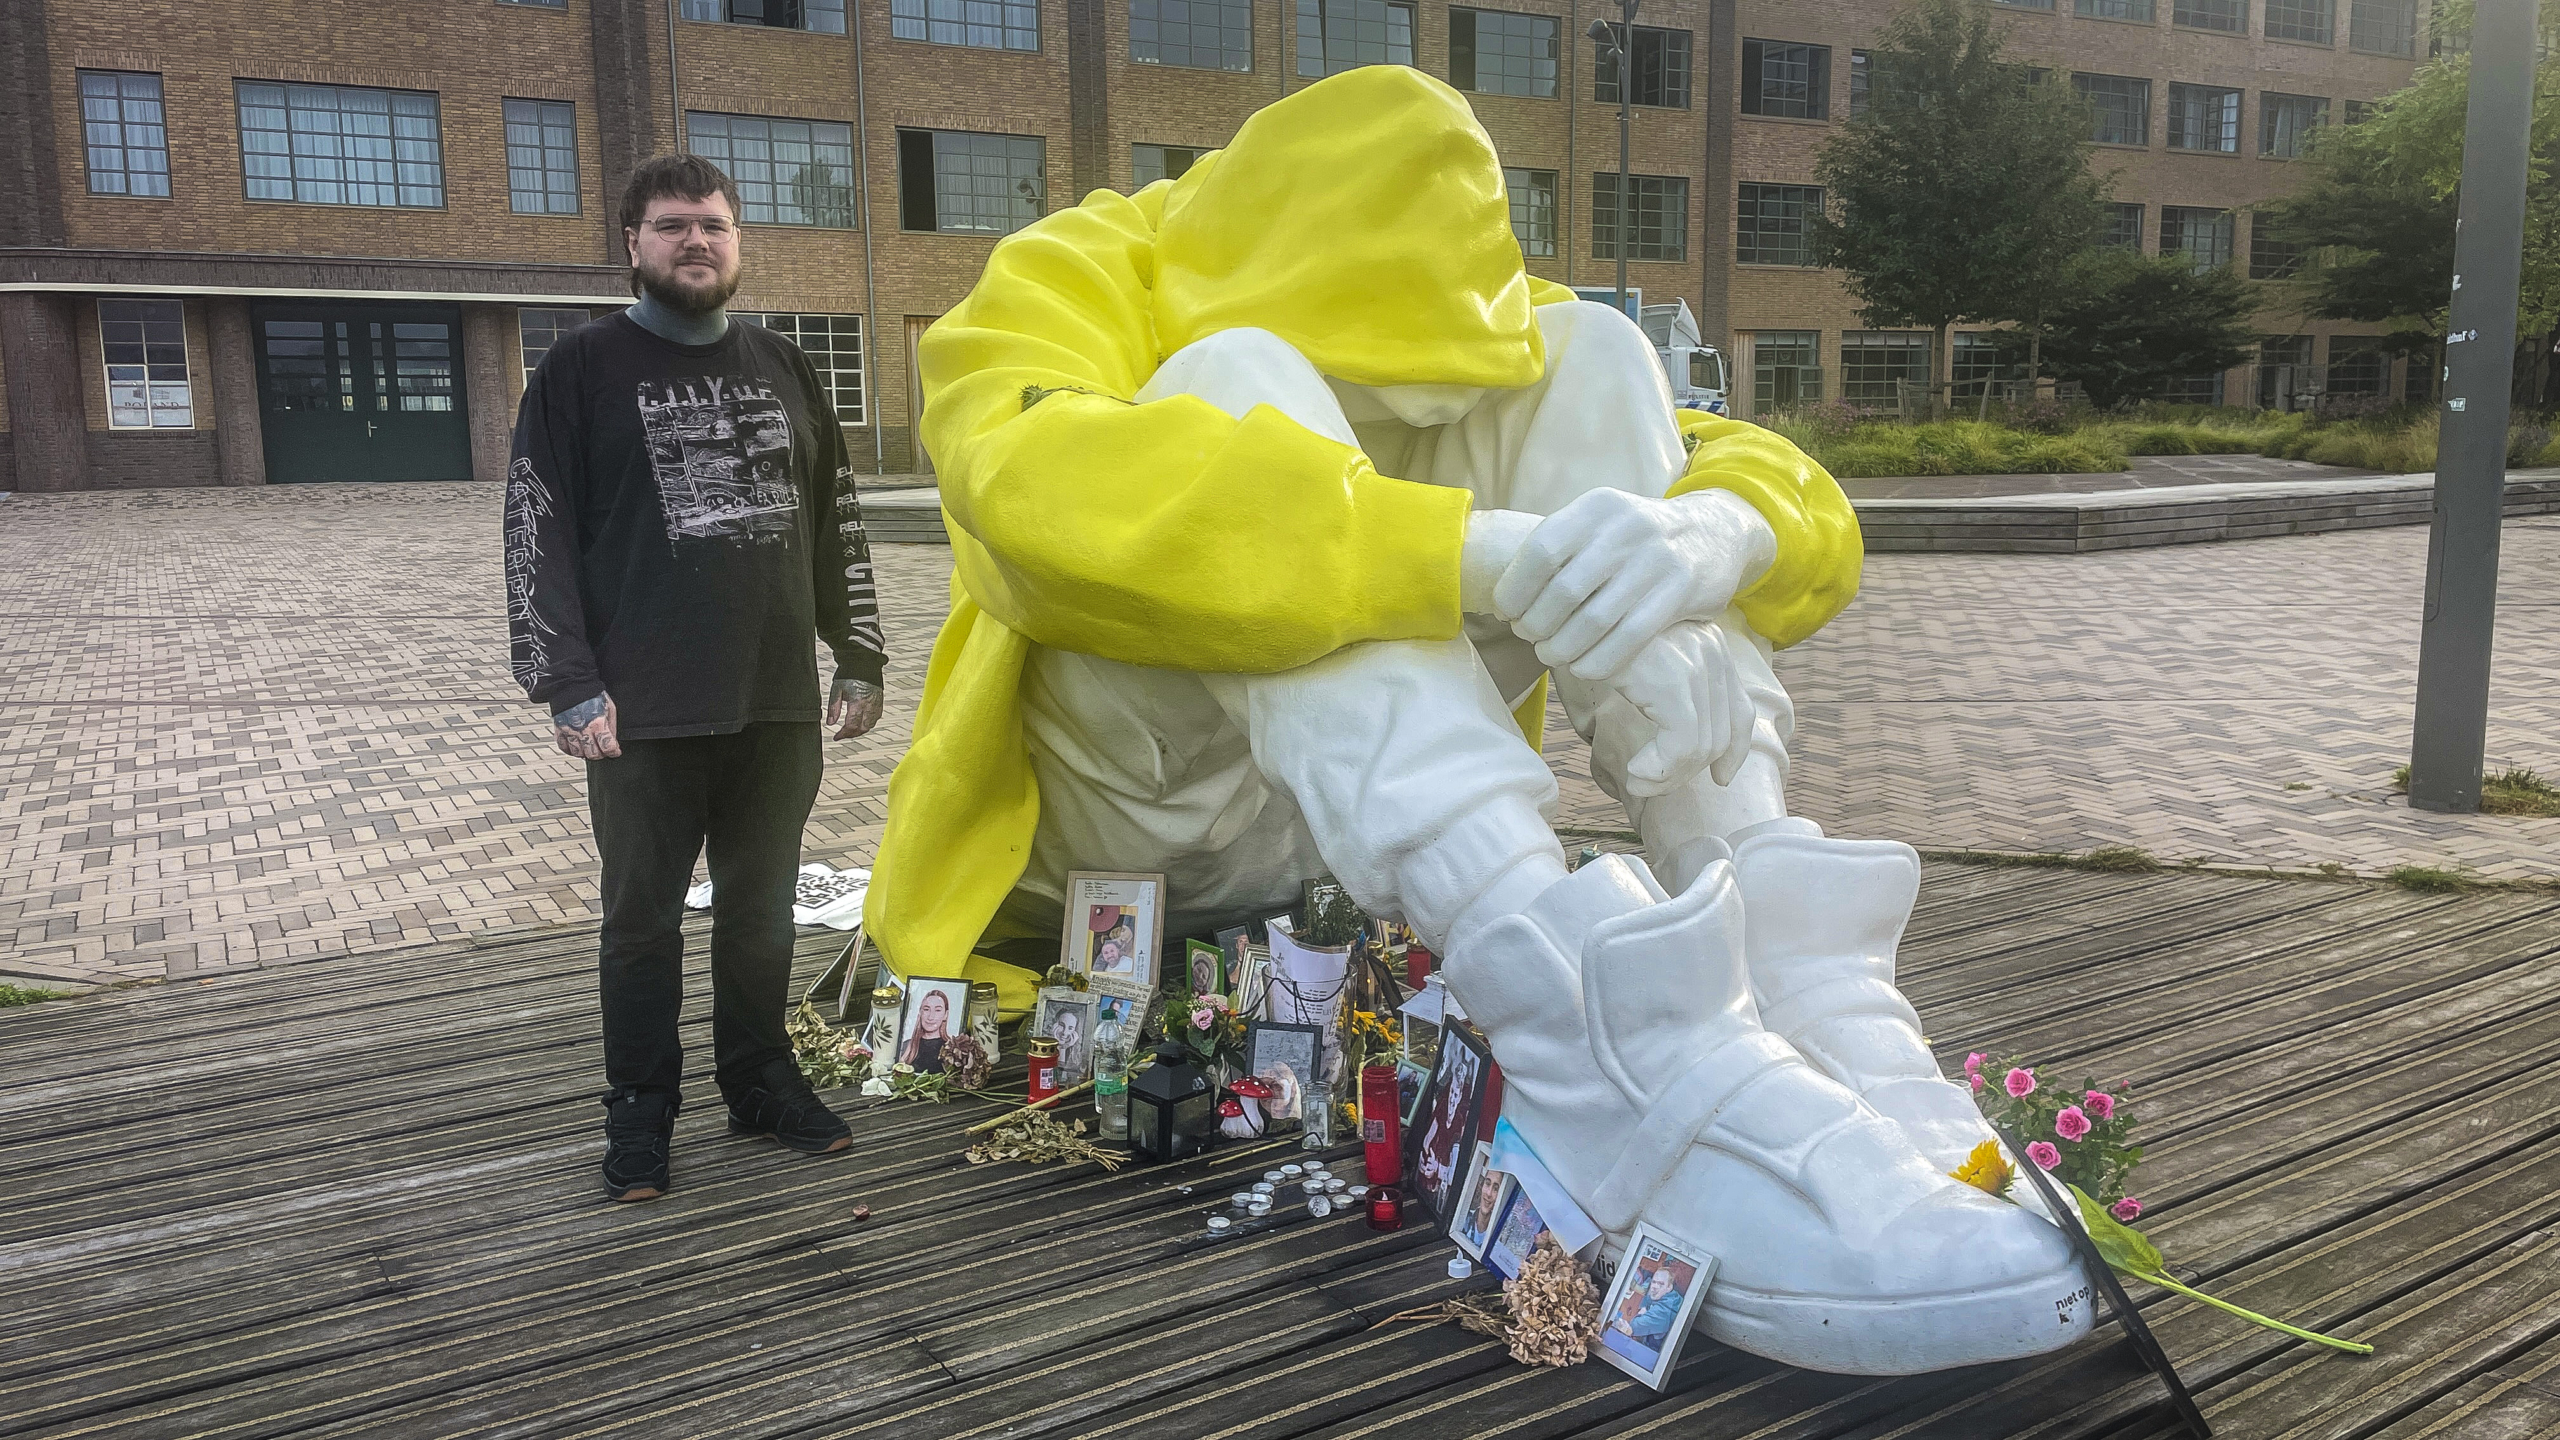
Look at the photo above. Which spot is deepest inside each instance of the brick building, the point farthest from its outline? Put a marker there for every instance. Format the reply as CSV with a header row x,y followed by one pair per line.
x,y
263,242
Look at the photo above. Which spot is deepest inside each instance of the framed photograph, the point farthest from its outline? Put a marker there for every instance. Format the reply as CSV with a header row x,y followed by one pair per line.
x,y
1115,927
1646,1313
1442,1137
1067,1015
935,1010
1479,1204
1411,1081
1129,1010
1513,1237
1287,1056
1208,966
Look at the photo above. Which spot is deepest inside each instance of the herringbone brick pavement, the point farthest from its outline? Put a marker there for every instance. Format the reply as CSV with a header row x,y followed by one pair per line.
x,y
243,727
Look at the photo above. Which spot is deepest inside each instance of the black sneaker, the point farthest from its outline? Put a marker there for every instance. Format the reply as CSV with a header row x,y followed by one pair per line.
x,y
780,1103
637,1127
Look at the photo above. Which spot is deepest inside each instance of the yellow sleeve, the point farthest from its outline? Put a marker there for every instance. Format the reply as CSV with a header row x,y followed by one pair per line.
x,y
1166,534
1819,550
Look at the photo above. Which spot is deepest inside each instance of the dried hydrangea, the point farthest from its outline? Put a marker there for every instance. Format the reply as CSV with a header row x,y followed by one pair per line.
x,y
1555,1309
965,1061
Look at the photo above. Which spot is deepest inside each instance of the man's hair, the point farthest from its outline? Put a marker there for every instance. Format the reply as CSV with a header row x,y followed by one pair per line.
x,y
686,177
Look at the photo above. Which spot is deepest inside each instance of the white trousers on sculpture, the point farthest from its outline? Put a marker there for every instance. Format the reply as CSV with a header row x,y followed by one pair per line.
x,y
1394,766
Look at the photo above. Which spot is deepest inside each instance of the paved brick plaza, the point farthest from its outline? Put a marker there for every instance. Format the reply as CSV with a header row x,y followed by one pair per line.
x,y
242,727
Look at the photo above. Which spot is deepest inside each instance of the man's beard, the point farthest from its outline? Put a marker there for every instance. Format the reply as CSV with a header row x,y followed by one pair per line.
x,y
684,298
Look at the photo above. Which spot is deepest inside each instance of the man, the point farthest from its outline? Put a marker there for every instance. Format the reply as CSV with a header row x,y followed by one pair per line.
x,y
1651,1326
681,530
1277,494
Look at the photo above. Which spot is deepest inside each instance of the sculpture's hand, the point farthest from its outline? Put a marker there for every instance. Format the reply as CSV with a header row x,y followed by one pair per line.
x,y
1603,576
586,729
853,706
1684,688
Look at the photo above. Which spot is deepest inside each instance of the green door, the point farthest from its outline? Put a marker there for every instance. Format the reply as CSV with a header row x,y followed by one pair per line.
x,y
362,392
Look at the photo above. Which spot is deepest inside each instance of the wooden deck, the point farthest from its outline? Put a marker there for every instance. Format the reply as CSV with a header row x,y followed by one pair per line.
x,y
358,1199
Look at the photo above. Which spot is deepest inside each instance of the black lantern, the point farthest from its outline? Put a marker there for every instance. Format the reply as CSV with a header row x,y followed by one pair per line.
x,y
1173,1109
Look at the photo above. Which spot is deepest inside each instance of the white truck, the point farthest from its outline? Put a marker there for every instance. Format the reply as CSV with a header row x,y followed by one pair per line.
x,y
1700,379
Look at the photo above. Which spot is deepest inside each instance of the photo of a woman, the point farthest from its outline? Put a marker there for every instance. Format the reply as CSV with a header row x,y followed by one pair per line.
x,y
932,1018
1075,1056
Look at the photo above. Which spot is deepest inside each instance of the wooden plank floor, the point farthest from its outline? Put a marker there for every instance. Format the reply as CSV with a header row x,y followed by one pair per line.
x,y
358,1199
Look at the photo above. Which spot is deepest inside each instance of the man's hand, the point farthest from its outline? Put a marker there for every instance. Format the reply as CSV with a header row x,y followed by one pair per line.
x,y
1600,578
1685,689
853,706
586,730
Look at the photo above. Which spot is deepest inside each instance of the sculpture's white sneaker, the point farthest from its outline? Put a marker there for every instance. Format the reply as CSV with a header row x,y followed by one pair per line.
x,y
1635,1064
1824,918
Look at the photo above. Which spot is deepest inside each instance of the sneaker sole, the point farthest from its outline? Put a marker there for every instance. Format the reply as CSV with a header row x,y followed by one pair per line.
x,y
1903,1335
635,1192
830,1148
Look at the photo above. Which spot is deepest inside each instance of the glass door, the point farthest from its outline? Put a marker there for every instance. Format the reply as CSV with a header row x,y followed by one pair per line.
x,y
362,392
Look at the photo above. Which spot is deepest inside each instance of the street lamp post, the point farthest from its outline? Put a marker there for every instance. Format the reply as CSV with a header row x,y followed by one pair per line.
x,y
1612,44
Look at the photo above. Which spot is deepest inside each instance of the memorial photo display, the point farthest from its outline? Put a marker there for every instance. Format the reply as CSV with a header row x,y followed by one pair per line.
x,y
1442,1138
1115,929
1650,1304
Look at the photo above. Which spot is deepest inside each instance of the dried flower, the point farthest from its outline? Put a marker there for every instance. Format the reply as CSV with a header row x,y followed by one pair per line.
x,y
2072,1123
1555,1308
2045,1153
965,1061
2101,1104
1986,1169
1038,1137
2127,1209
2020,1084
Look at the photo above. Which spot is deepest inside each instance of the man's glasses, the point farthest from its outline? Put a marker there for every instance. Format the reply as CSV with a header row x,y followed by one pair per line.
x,y
713,229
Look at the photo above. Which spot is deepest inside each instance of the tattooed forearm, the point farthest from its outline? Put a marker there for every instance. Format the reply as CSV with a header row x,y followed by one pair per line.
x,y
580,715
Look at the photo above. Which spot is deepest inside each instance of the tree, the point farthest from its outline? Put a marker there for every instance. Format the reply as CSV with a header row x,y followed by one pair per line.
x,y
2377,215
2125,325
1965,188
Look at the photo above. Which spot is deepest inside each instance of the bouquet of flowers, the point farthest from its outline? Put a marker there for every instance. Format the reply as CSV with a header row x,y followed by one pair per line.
x,y
1207,1024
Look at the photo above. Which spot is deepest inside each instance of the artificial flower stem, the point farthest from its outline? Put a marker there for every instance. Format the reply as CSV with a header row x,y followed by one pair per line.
x,y
2352,1347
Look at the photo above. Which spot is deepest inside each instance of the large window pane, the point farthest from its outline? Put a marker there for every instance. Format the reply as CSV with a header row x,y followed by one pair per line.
x,y
2119,108
2121,227
1786,369
1199,34
2285,122
2228,16
1981,355
1497,53
1151,163
144,347
2204,117
833,344
1533,209
2358,367
537,330
2203,236
1658,212
789,172
1875,365
1793,81
125,132
1770,224
542,157
1339,35
2384,27
2139,10
984,24
2314,22
961,183
1659,61
826,16
340,145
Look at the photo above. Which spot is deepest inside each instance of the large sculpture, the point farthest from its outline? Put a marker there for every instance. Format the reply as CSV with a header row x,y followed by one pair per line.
x,y
1197,628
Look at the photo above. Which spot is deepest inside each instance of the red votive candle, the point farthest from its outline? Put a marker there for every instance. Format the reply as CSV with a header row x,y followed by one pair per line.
x,y
1386,1210
1380,1130
1417,966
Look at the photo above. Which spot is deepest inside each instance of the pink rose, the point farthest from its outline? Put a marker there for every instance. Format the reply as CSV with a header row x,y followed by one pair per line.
x,y
2045,1153
2101,1104
1973,1062
2020,1084
1978,1081
2127,1210
1203,1018
2071,1124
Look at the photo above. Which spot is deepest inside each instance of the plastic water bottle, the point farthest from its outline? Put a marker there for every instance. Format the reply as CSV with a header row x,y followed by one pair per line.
x,y
1111,1080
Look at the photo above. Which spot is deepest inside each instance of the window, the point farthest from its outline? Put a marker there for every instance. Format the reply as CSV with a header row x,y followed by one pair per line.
x,y
1786,369
1533,209
1151,163
2121,228
2358,367
542,157
2284,365
538,330
2025,4
1339,35
1771,226
2358,111
338,145
2418,384
2194,390
145,349
2204,117
985,24
1495,53
2383,27
1657,211
2270,258
127,137
2313,22
421,366
1786,80
2119,108
960,183
833,344
1875,364
2203,236
1985,355
824,16
539,4
1659,60
2139,10
2229,16
1196,34
2285,122
1858,83
789,172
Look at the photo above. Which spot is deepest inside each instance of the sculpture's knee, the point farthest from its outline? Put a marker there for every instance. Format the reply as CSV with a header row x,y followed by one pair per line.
x,y
1237,370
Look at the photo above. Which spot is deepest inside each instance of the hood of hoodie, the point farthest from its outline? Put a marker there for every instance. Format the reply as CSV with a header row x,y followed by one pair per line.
x,y
1364,220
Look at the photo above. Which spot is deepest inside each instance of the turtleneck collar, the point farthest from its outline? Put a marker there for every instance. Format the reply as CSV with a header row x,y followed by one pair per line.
x,y
670,324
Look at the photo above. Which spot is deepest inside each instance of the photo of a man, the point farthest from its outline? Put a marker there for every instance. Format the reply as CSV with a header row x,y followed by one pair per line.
x,y
1646,1307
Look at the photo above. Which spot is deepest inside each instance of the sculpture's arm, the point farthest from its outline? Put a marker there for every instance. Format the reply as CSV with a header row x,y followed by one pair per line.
x,y
1819,550
1168,534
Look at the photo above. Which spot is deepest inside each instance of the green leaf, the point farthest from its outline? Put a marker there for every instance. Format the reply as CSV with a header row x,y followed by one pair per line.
x,y
2119,1244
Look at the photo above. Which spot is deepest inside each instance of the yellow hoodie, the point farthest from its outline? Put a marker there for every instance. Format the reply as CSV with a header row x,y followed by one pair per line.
x,y
1364,220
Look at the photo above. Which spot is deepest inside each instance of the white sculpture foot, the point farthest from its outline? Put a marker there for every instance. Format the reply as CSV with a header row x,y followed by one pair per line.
x,y
1635,1064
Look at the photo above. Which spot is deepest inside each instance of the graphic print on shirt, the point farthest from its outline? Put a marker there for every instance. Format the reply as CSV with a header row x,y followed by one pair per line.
x,y
528,505
721,450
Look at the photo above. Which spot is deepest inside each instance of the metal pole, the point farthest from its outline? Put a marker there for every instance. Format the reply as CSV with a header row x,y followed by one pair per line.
x,y
1626,96
2451,733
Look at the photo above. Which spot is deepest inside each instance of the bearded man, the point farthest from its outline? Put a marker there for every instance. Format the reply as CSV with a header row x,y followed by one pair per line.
x,y
681,530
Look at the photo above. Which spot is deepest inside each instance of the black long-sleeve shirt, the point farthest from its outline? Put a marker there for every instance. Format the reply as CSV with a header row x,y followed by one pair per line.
x,y
681,524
